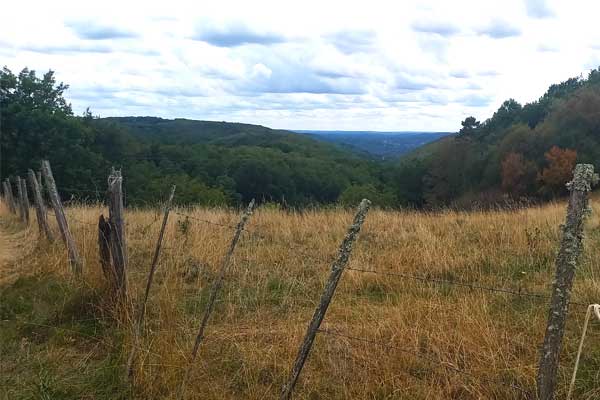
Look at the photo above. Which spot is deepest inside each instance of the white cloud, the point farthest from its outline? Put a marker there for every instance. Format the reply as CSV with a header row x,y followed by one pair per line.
x,y
378,65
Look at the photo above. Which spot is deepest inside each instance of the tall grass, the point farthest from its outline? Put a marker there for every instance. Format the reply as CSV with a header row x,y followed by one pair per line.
x,y
276,279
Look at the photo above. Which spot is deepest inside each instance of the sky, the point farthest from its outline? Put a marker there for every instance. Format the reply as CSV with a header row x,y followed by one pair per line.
x,y
327,64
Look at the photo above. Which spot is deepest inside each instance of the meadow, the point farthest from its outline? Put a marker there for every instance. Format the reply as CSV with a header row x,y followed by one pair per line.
x,y
402,331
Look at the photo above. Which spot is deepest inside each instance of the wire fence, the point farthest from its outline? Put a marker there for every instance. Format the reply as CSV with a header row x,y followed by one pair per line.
x,y
434,361
425,280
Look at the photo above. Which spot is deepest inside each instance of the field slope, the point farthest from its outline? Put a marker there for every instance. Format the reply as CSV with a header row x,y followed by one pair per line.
x,y
390,336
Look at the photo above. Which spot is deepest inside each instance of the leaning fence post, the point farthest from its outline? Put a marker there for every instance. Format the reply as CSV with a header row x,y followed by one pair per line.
x,y
26,204
139,323
20,206
571,246
337,268
40,208
10,198
61,219
117,242
215,290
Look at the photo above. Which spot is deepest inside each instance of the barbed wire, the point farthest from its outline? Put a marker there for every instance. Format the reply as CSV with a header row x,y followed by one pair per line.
x,y
250,231
473,286
431,360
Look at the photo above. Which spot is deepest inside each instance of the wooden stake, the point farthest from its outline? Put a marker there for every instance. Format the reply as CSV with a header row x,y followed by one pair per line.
x,y
337,268
40,208
104,251
61,219
118,247
26,204
10,198
214,291
153,265
571,246
20,200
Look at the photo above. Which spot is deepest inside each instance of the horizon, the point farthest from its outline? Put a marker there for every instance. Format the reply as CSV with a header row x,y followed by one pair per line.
x,y
418,66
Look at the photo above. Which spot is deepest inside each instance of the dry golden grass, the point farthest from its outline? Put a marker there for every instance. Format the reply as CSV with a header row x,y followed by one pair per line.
x,y
275,281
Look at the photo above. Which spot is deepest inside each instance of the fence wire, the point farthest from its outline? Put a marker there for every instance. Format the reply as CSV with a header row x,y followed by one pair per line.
x,y
423,357
469,285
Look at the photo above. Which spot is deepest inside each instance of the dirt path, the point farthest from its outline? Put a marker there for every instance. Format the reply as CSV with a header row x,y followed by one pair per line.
x,y
13,246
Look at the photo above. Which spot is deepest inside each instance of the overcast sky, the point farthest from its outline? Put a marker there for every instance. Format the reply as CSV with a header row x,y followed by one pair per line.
x,y
353,65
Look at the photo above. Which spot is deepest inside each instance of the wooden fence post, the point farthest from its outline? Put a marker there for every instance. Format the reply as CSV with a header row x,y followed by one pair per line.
x,y
21,205
153,265
118,247
26,204
40,208
337,268
571,246
10,198
63,225
104,250
214,290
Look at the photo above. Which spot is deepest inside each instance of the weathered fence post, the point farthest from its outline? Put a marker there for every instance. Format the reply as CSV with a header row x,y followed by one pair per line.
x,y
337,268
23,209
10,198
19,199
215,290
104,250
40,208
140,320
63,225
26,204
571,246
118,247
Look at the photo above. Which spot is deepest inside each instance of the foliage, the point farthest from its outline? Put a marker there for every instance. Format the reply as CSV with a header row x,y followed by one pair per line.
x,y
212,163
558,172
518,174
506,151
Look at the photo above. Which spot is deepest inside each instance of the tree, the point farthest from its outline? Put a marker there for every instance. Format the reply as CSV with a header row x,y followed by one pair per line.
x,y
353,195
561,163
518,174
469,126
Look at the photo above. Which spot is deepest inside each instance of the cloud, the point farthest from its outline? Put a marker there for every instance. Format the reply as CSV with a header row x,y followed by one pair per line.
x,y
435,27
498,29
475,100
435,45
349,42
67,49
547,48
96,31
234,34
538,9
460,74
407,82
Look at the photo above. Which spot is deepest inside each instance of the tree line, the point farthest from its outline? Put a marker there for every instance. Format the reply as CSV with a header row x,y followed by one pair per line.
x,y
520,152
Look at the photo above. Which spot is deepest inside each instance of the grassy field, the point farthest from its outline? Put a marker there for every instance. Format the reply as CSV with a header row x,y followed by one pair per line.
x,y
59,338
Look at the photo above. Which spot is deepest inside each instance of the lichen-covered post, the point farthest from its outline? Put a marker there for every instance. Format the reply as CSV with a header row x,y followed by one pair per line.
x,y
25,200
40,208
61,220
20,200
337,268
9,196
214,291
571,246
140,320
117,242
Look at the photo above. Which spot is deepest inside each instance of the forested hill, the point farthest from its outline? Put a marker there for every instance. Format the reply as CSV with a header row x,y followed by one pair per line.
x,y
522,152
213,163
377,145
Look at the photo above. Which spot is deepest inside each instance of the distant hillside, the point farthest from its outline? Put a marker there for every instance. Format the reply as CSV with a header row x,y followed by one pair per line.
x,y
381,145
520,152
